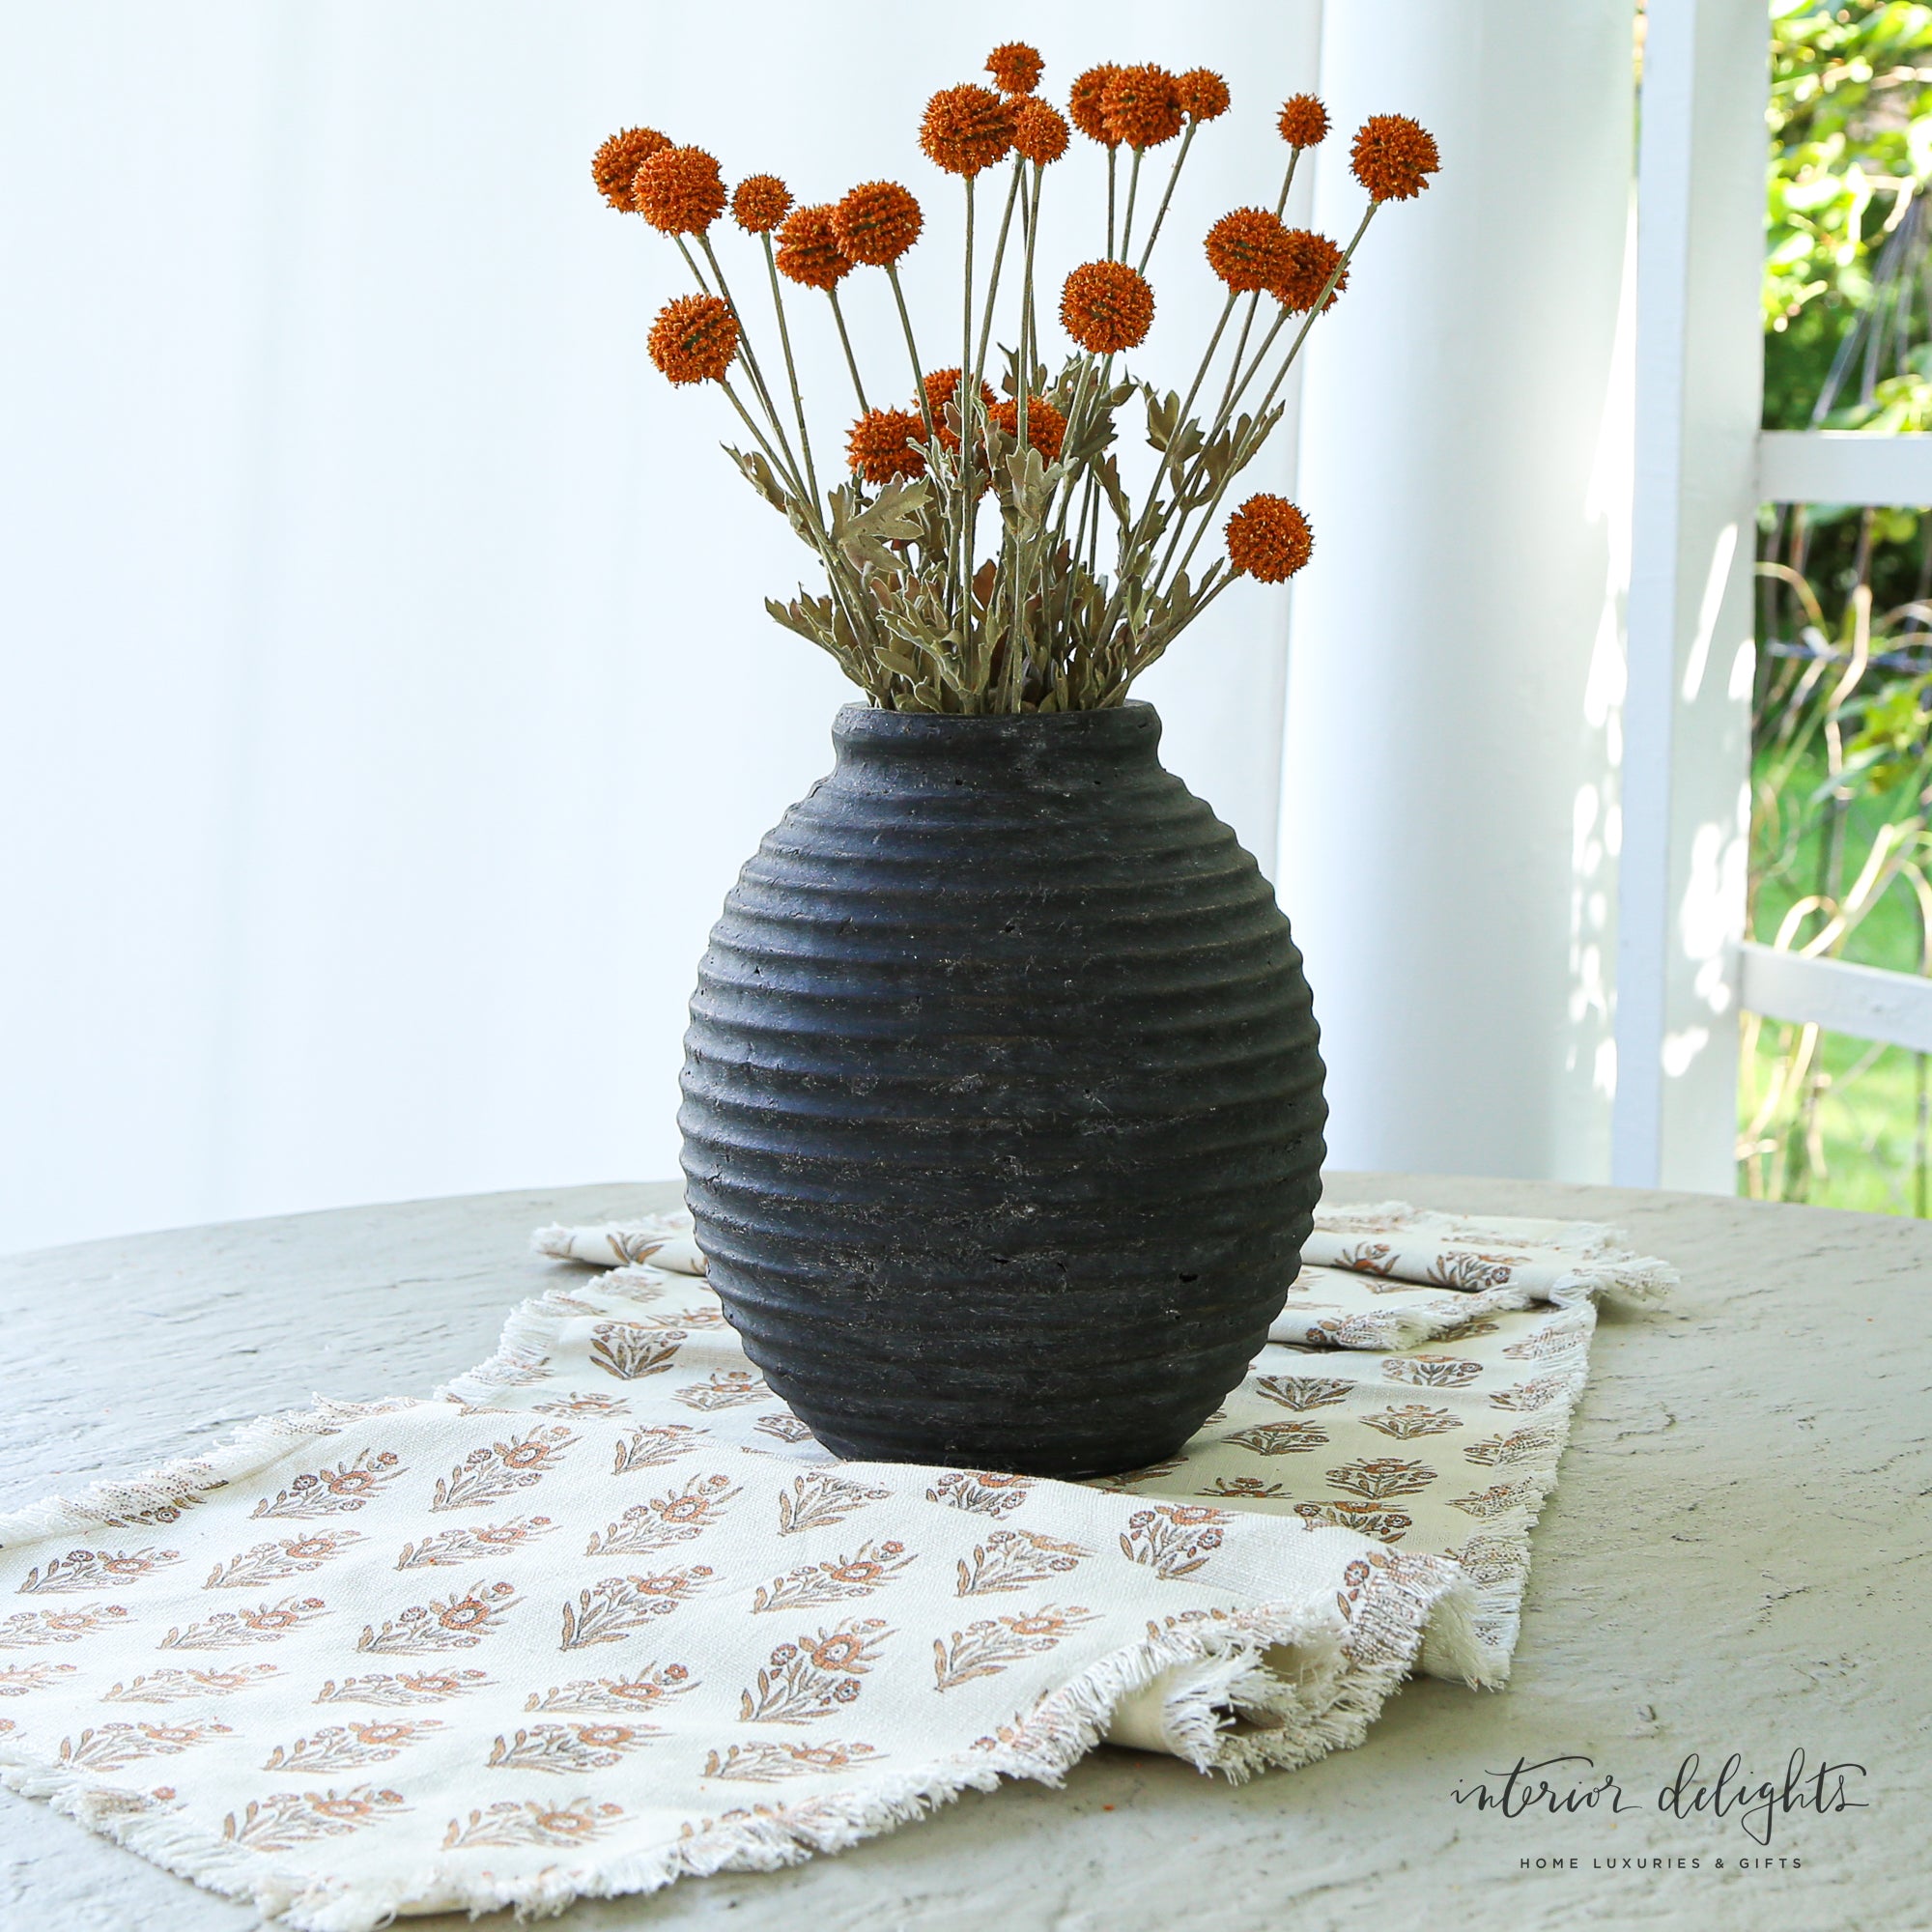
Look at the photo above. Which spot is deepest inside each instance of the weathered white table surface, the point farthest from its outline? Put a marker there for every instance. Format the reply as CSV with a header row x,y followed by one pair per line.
x,y
1736,1560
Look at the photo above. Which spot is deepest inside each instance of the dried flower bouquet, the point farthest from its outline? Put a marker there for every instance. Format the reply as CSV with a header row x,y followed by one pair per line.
x,y
1084,588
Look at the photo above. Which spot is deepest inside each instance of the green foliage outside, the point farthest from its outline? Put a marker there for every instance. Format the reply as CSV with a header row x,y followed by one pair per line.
x,y
1842,767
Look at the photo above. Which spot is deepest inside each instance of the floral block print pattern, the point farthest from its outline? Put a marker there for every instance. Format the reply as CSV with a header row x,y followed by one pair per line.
x,y
602,1612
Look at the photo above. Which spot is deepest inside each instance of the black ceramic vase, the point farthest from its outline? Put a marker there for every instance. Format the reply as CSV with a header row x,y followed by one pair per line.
x,y
1001,1100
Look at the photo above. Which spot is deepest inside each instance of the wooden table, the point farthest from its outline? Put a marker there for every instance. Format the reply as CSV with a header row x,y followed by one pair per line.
x,y
1736,1560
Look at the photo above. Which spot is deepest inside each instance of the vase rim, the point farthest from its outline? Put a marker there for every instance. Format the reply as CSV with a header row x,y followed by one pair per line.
x,y
870,721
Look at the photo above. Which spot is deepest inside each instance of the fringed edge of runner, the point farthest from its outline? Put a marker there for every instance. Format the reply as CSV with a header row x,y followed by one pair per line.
x,y
1228,1709
159,1496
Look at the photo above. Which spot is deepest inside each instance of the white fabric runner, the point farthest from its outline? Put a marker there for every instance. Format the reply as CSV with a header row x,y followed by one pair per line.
x,y
601,1614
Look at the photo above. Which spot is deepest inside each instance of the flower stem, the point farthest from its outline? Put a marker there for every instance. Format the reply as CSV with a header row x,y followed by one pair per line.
x,y
1111,153
851,360
1173,175
1128,219
999,255
791,367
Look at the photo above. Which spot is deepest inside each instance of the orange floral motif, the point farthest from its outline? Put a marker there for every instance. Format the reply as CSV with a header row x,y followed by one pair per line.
x,y
1245,1488
458,1622
531,1822
1519,1445
984,1492
1014,1559
816,1675
992,1644
611,1609
630,1697
265,1623
724,1388
271,1562
567,1750
1172,1539
1366,1519
113,1745
872,1566
673,1517
17,1679
651,1448
632,1349
1538,1393
464,1544
1281,1438
349,1486
486,1475
1302,1393
1499,1500
286,1819
819,1497
768,1760
409,1687
97,1570
347,1747
1412,1420
1431,1371
1377,1480
1553,1340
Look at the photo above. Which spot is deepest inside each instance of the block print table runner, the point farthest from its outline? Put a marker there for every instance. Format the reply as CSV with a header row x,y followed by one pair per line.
x,y
602,1614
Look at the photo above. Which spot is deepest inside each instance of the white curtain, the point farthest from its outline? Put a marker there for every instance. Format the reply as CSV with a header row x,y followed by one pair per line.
x,y
387,696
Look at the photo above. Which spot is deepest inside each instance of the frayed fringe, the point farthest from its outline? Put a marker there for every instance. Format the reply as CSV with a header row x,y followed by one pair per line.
x,y
1274,1687
160,1495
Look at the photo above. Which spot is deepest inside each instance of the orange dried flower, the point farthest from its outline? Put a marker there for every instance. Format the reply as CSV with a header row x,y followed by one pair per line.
x,y
760,204
679,190
1392,156
1106,307
966,130
1303,122
695,339
1250,249
1141,106
1312,259
1268,539
809,250
877,222
1040,132
1084,105
1046,427
880,446
941,386
1016,68
1204,94
614,165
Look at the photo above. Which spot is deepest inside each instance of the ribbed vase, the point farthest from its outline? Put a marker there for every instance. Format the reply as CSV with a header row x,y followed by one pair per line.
x,y
1002,1099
